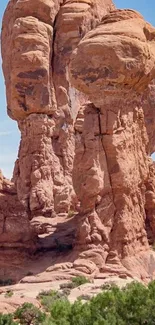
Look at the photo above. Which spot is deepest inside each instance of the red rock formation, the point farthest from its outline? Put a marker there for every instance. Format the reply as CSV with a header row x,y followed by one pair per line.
x,y
111,172
39,38
92,98
15,229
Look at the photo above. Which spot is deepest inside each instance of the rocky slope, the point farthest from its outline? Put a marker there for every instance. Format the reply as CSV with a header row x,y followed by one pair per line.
x,y
80,83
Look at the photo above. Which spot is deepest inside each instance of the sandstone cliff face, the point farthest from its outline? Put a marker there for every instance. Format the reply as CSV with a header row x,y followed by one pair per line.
x,y
15,229
112,172
39,38
80,83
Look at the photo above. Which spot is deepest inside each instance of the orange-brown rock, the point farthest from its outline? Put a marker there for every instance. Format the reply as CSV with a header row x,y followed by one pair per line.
x,y
112,170
80,83
39,37
15,229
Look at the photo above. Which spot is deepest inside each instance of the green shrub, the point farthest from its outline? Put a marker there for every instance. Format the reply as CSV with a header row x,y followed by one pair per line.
x,y
75,282
108,286
9,294
84,297
80,313
79,280
67,285
28,314
133,305
71,213
66,292
60,312
7,320
47,298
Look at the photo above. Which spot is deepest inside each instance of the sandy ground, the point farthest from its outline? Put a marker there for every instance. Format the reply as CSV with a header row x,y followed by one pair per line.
x,y
27,291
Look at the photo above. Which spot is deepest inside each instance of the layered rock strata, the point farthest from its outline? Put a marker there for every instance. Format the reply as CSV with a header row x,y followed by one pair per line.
x,y
39,37
112,172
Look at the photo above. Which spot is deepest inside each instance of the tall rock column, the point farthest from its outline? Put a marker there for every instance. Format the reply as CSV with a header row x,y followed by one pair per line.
x,y
112,165
39,37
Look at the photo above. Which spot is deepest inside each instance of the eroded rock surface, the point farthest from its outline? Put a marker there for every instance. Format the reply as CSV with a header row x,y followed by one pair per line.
x,y
15,229
80,83
39,38
112,170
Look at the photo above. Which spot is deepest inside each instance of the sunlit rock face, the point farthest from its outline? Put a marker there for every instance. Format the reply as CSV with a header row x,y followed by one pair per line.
x,y
37,40
80,84
113,174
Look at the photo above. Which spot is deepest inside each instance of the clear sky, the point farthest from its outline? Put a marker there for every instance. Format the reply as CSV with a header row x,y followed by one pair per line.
x,y
9,134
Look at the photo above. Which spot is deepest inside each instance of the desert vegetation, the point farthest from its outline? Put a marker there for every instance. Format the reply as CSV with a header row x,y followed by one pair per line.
x,y
132,305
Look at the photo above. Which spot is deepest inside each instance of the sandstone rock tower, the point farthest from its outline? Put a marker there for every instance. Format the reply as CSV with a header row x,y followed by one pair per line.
x,y
80,83
112,169
39,37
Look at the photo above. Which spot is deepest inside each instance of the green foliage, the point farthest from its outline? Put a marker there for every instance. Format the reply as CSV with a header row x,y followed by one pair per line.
x,y
67,285
49,293
80,313
9,294
84,297
133,305
79,280
60,312
75,282
29,314
108,286
71,213
7,320
66,292
47,298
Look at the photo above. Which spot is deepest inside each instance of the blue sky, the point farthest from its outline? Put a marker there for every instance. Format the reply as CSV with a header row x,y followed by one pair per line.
x,y
9,134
